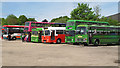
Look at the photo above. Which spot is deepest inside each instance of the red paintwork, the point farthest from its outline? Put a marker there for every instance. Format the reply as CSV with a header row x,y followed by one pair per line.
x,y
30,27
61,36
12,26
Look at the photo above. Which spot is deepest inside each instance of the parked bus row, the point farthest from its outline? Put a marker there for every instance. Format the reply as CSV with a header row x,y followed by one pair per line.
x,y
74,31
12,32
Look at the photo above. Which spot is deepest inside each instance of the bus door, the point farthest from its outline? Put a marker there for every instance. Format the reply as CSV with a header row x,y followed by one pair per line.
x,y
52,34
40,34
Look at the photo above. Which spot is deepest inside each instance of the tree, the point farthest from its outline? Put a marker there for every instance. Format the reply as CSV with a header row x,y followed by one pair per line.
x,y
97,11
60,19
0,21
3,21
111,21
12,20
83,12
44,20
22,19
31,19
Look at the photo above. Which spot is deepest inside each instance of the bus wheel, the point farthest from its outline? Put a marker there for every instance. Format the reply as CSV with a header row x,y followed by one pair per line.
x,y
85,44
96,42
14,38
119,41
58,41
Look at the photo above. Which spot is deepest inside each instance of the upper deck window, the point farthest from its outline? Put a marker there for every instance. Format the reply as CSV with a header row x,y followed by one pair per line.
x,y
70,23
33,24
27,23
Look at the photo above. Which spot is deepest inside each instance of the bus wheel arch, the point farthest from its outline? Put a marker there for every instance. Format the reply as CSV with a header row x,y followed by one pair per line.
x,y
119,41
58,41
96,42
14,38
85,44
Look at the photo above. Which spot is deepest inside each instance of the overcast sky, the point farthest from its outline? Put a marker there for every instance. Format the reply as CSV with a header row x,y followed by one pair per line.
x,y
50,10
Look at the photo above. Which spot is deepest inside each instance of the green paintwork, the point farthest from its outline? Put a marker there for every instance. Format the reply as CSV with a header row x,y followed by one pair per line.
x,y
87,21
35,38
73,27
103,39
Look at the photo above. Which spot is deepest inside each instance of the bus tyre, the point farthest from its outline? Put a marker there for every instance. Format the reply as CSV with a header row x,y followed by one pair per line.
x,y
14,38
119,41
85,44
96,42
58,41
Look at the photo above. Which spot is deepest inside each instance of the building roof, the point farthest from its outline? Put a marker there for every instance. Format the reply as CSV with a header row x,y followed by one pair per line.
x,y
115,17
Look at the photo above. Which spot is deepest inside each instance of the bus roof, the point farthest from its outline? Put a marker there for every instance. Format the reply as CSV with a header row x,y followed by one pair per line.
x,y
61,23
88,21
13,26
55,28
97,26
40,22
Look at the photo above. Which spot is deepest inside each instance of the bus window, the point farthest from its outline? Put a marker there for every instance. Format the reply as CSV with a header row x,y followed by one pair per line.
x,y
38,24
47,32
81,30
70,23
46,25
26,28
63,26
59,31
70,33
112,33
43,25
78,23
27,23
33,24
118,33
56,25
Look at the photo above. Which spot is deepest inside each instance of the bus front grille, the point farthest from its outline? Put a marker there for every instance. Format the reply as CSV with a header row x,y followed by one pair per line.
x,y
79,39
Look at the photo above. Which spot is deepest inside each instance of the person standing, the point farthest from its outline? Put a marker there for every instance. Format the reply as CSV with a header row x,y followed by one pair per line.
x,y
23,36
9,37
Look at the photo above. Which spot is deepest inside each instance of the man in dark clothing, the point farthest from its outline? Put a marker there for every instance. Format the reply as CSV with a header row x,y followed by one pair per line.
x,y
23,36
9,37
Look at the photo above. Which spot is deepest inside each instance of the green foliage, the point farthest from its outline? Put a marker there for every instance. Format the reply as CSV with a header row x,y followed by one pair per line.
x,y
60,19
3,21
22,19
97,10
12,20
83,12
31,19
111,21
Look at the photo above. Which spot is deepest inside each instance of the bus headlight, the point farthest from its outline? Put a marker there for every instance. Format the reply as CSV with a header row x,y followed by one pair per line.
x,y
85,39
72,39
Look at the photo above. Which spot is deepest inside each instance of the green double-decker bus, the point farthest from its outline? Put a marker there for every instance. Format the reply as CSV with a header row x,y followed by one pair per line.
x,y
36,34
71,28
95,34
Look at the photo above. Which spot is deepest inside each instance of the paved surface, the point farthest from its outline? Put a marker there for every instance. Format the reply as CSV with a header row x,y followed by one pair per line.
x,y
17,53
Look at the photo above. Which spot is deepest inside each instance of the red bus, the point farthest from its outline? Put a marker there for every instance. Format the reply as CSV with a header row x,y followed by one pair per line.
x,y
53,35
30,24
14,30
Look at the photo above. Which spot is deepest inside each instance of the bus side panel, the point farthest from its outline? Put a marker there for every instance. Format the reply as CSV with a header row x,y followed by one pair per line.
x,y
61,36
106,39
46,39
